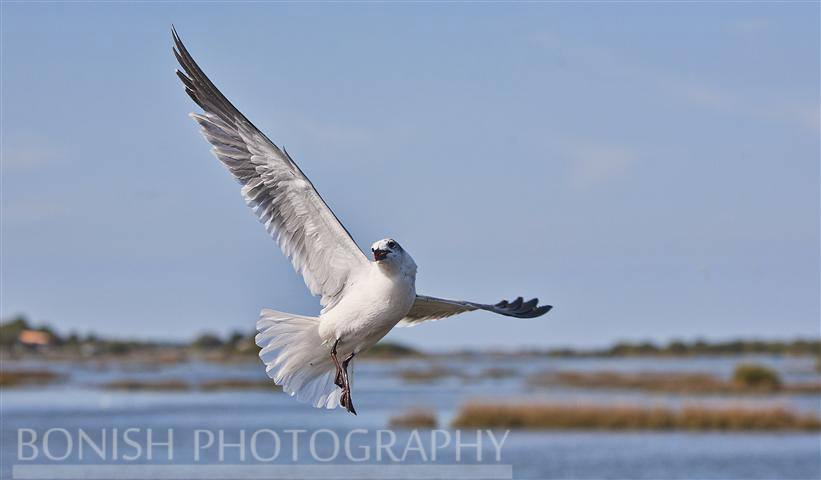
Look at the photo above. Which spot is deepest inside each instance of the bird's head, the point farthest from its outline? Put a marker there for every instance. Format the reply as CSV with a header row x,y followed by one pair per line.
x,y
391,257
386,250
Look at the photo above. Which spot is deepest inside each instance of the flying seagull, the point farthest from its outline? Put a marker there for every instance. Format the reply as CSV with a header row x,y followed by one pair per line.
x,y
362,300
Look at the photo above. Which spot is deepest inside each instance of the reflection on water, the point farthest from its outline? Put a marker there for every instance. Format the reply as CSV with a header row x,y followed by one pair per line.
x,y
381,393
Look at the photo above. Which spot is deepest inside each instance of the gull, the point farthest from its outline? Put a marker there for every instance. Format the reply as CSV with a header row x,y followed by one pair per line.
x,y
362,300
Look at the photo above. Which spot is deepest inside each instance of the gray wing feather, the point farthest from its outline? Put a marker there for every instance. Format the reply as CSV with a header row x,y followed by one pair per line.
x,y
432,308
284,200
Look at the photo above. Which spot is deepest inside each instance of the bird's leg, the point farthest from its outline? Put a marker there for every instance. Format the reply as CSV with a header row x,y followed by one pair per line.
x,y
346,400
339,380
345,364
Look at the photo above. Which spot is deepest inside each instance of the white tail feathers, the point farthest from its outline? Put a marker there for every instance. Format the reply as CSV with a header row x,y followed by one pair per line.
x,y
295,358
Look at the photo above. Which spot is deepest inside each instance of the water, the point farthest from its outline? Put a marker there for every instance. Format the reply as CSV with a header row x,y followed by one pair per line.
x,y
80,403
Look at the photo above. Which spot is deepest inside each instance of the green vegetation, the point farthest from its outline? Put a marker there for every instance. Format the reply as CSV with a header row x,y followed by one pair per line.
x,y
631,418
756,377
747,379
417,418
208,346
11,329
10,337
207,341
701,347
389,350
240,345
20,378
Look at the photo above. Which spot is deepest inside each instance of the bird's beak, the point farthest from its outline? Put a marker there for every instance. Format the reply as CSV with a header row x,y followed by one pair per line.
x,y
379,254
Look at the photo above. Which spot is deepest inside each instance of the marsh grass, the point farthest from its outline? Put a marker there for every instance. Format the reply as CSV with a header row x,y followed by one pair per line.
x,y
748,379
560,417
802,388
431,374
240,384
417,418
176,385
662,382
390,351
172,385
435,373
754,376
498,372
18,378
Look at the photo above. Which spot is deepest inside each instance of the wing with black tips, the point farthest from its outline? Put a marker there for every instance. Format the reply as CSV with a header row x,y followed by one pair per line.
x,y
432,308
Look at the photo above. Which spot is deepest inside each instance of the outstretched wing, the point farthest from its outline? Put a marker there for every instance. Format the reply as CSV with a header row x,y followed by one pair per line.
x,y
283,198
432,308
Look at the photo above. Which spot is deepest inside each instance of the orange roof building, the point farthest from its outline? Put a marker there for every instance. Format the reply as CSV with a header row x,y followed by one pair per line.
x,y
34,338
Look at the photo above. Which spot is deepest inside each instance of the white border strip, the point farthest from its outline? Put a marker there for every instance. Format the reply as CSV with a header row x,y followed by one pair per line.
x,y
262,472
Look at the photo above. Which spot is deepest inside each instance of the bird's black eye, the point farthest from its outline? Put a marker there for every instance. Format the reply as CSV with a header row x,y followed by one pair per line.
x,y
392,244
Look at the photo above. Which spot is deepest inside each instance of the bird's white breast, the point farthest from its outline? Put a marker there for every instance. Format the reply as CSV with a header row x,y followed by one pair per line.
x,y
374,304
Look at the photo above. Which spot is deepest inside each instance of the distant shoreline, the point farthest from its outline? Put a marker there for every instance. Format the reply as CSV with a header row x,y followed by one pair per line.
x,y
19,338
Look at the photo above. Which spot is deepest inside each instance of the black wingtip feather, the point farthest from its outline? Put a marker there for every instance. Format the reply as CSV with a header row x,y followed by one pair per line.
x,y
184,78
519,308
529,305
205,93
515,304
193,97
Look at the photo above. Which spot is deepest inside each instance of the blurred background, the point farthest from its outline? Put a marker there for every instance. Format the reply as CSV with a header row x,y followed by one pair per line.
x,y
651,170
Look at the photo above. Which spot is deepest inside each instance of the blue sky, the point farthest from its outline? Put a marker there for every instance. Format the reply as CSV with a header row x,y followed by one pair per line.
x,y
652,170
